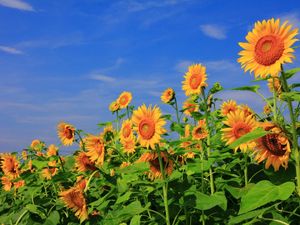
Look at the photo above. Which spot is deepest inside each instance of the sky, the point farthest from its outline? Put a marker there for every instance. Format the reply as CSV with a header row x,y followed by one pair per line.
x,y
67,60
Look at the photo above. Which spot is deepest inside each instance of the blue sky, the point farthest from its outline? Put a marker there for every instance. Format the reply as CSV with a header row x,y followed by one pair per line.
x,y
67,60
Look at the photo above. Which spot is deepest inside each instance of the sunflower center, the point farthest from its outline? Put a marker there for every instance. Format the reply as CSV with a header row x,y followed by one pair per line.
x,y
272,143
68,133
195,81
76,199
147,128
241,129
155,164
123,100
268,50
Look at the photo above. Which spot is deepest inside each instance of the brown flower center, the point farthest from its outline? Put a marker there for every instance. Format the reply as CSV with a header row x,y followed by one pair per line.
x,y
240,129
147,128
77,198
124,100
68,133
195,81
272,143
268,50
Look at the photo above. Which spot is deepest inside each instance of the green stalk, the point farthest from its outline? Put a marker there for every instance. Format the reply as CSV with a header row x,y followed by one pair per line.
x,y
211,178
165,185
21,216
89,181
246,170
117,113
176,108
294,130
127,112
202,184
274,100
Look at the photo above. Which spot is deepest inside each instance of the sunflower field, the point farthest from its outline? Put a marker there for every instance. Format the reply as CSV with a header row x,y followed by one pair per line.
x,y
200,164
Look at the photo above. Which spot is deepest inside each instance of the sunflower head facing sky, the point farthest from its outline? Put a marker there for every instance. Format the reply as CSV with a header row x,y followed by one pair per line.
x,y
268,46
149,125
194,80
228,106
124,99
126,129
167,96
66,133
273,147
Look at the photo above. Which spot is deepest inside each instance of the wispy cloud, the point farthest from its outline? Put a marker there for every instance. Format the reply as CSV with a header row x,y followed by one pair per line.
x,y
101,77
136,6
10,50
213,31
17,4
293,18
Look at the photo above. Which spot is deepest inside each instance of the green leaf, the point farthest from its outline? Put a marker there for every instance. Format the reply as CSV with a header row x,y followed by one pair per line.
x,y
177,128
238,192
264,192
294,96
53,218
34,209
135,220
253,88
124,197
257,133
290,73
295,85
246,216
39,164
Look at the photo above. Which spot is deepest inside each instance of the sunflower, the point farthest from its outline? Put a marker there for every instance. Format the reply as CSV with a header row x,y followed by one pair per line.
x,y
114,106
74,199
148,125
83,163
66,133
168,95
6,183
126,130
128,145
228,106
269,46
108,133
200,132
274,147
19,183
37,145
10,166
238,125
49,172
24,155
52,150
267,109
95,149
152,159
187,130
189,106
124,99
274,84
194,79
247,110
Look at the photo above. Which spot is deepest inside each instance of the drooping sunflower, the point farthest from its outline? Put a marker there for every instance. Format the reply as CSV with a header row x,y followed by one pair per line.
x,y
128,145
190,106
126,129
10,166
194,79
168,95
19,183
228,106
52,150
124,99
238,125
274,147
152,159
274,84
83,163
74,199
149,125
95,149
200,132
114,106
269,46
66,133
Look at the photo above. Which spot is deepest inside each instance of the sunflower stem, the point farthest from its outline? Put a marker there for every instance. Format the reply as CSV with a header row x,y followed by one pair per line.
x,y
89,181
165,185
176,109
206,110
274,100
127,112
21,216
246,170
294,130
117,113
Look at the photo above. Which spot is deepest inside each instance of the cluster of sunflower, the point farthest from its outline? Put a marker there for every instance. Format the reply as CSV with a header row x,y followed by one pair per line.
x,y
96,183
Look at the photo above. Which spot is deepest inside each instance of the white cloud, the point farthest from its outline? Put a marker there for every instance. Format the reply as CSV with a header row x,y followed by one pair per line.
x,y
101,77
293,18
213,31
136,6
17,4
10,50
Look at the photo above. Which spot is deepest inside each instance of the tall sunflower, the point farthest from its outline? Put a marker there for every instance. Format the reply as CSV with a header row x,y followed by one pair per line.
x,y
126,130
66,133
74,199
124,99
52,150
168,95
152,159
228,106
95,149
194,79
37,145
114,106
274,147
148,125
237,126
128,144
200,132
83,163
269,46
10,166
